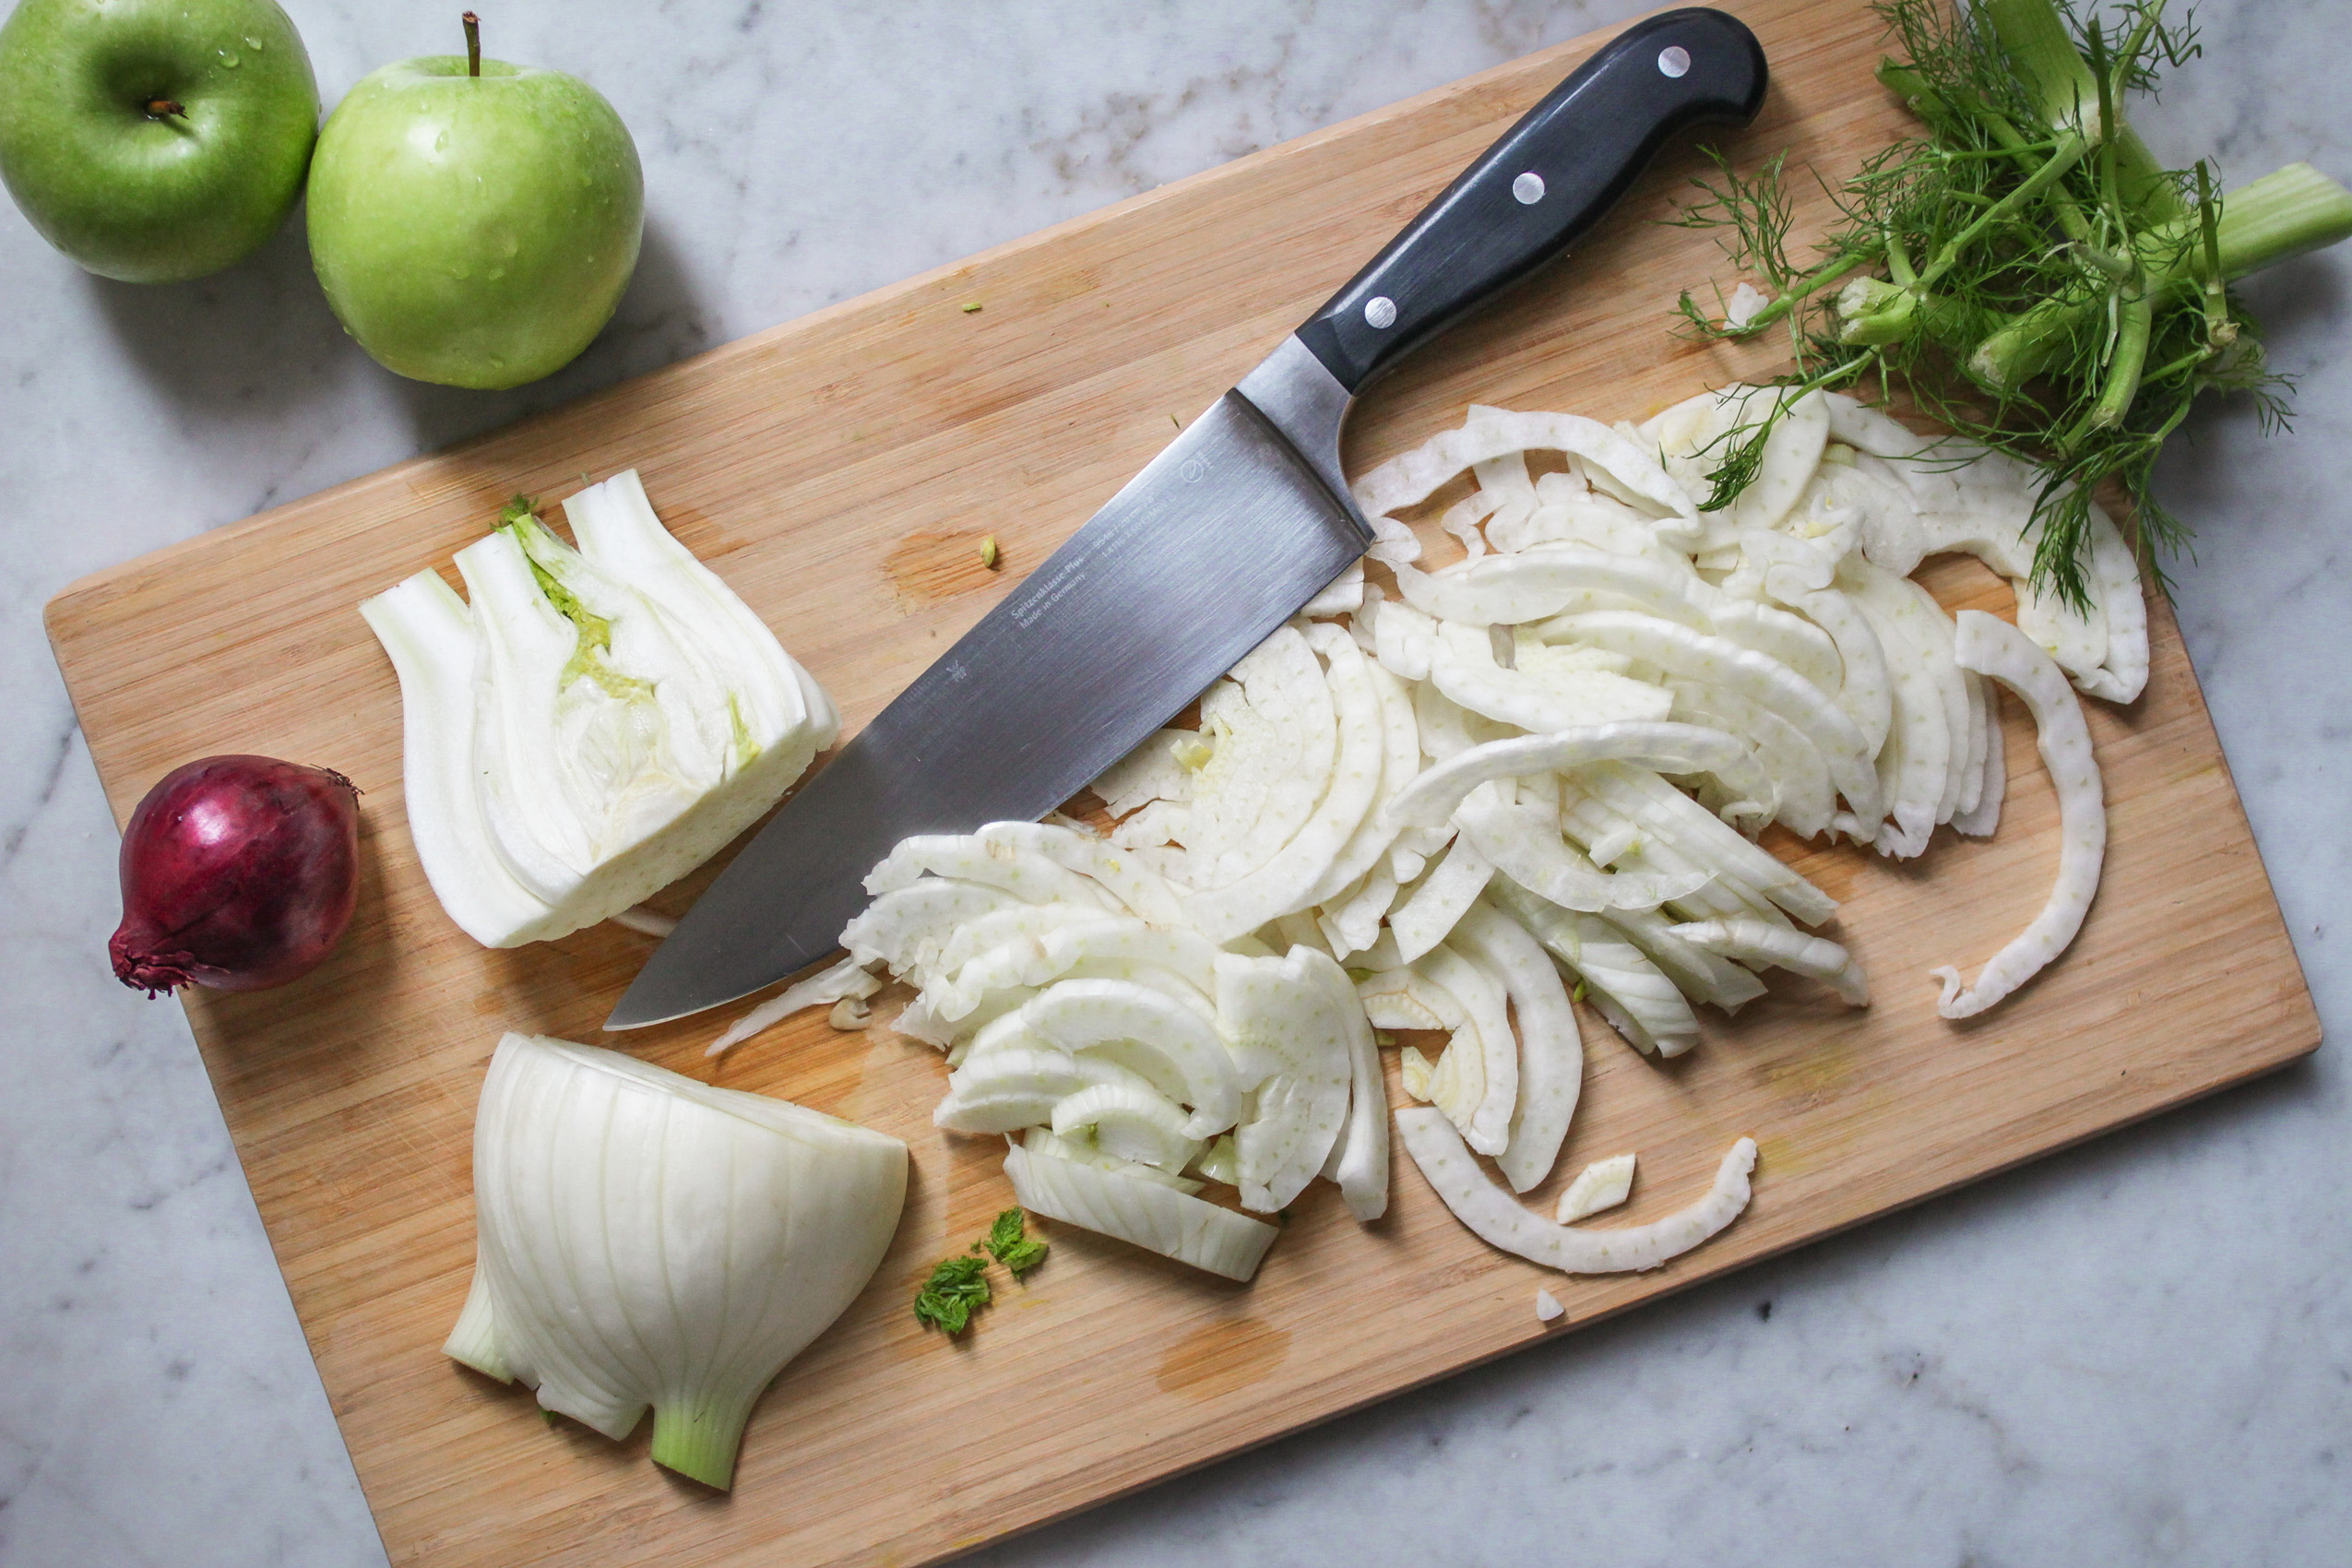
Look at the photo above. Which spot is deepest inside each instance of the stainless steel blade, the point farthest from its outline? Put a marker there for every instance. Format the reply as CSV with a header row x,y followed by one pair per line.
x,y
1216,542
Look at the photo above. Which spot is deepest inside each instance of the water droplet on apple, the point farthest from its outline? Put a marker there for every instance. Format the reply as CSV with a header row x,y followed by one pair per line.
x,y
228,58
254,43
495,273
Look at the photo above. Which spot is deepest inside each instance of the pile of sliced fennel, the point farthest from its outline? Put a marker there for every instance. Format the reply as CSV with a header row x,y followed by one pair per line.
x,y
645,1240
591,724
1544,764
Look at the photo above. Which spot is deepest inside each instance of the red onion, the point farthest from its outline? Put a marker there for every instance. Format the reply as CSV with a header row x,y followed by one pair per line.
x,y
239,873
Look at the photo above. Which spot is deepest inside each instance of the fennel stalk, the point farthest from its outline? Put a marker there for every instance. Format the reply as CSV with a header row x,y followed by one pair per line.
x,y
2023,270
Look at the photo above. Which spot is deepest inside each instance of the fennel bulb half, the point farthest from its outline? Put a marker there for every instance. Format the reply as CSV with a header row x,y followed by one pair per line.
x,y
594,724
643,1239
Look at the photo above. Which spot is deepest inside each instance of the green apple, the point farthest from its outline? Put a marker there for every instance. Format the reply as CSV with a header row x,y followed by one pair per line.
x,y
475,231
153,140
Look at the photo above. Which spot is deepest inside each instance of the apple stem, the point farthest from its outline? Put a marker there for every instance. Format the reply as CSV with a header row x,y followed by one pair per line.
x,y
473,43
162,108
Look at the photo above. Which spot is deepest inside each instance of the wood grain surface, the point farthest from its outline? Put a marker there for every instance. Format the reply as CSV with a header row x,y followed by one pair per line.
x,y
839,471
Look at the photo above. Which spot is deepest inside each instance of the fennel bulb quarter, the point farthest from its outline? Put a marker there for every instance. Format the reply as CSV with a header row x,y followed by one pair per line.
x,y
643,1239
588,725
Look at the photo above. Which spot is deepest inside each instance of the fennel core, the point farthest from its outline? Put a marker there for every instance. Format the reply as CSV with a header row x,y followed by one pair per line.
x,y
2023,270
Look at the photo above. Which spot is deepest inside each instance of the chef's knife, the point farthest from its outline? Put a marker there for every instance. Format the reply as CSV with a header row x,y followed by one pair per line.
x,y
1218,541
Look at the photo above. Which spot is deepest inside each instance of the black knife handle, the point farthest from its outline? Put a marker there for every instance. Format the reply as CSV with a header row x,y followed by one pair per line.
x,y
1536,191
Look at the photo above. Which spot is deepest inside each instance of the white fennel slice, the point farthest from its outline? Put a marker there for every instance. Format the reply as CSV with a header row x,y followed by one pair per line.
x,y
1130,1121
1991,646
1985,816
1603,1184
1028,875
1357,1163
1674,817
1144,1214
1288,879
1018,1085
1280,1015
1863,690
1552,1050
1759,943
1151,772
1421,921
1400,760
1432,797
1042,1141
1463,666
1719,662
847,979
1501,1220
907,928
1640,1000
1181,1053
1523,843
1272,763
1552,579
1475,1082
1412,477
1126,878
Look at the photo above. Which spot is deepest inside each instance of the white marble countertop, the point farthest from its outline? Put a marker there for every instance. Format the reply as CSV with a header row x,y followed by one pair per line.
x,y
2139,1352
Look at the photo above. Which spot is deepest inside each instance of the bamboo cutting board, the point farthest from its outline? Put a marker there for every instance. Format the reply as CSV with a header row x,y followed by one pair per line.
x,y
840,471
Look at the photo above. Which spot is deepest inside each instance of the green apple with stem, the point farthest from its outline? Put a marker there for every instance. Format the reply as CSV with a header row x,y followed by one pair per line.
x,y
154,141
474,222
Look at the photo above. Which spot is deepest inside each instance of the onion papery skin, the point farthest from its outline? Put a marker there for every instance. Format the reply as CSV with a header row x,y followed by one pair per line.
x,y
238,872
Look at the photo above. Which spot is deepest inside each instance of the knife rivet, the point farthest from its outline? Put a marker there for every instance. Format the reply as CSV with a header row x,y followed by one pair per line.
x,y
1379,311
1528,188
1673,59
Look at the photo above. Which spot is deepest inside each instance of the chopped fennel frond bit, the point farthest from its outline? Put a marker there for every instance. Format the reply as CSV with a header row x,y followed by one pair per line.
x,y
1009,1245
955,1286
594,724
643,1239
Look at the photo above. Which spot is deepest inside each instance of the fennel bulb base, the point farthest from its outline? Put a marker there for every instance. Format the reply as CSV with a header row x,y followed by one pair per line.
x,y
700,1441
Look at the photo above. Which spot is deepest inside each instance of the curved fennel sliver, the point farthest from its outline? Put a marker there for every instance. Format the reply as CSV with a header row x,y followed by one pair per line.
x,y
1462,666
1287,880
1413,477
1157,1218
1175,1048
429,633
1359,1158
1500,1220
1028,875
1640,1000
1754,942
1122,874
1477,1080
1400,759
1277,739
907,928
1551,1049
1679,650
845,979
1421,921
1993,646
1293,1038
1512,589
1667,747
